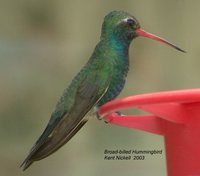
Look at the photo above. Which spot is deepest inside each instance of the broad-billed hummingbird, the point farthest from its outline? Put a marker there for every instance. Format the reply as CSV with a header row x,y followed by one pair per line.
x,y
99,81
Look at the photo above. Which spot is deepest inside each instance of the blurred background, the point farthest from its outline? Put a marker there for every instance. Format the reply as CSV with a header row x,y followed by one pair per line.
x,y
44,43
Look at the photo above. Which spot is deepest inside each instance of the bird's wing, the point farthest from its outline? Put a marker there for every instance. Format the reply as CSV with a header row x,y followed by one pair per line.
x,y
65,127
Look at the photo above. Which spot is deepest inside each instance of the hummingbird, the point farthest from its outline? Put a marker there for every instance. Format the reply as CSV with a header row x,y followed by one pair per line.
x,y
99,81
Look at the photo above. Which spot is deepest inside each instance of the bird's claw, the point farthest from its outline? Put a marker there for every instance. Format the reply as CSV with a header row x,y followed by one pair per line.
x,y
118,113
99,117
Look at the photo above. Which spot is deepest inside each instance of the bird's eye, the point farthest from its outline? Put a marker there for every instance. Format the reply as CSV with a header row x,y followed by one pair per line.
x,y
130,22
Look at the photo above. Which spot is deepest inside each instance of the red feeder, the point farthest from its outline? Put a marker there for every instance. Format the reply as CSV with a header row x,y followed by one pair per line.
x,y
173,114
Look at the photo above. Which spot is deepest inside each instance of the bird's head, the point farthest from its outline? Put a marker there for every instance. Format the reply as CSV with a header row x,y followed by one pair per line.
x,y
121,27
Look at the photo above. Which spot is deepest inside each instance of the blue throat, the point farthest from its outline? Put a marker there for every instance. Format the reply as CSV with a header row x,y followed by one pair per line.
x,y
120,69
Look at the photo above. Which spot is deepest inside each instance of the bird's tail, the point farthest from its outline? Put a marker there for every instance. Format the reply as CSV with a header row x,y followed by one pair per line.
x,y
26,163
51,144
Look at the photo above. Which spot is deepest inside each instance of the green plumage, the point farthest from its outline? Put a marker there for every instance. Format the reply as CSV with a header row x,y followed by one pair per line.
x,y
99,81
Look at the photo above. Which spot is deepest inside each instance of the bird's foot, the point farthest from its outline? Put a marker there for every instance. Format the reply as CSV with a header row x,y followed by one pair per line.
x,y
118,113
95,112
99,117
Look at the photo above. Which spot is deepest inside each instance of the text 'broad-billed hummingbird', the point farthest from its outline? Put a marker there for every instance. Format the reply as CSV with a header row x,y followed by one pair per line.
x,y
99,81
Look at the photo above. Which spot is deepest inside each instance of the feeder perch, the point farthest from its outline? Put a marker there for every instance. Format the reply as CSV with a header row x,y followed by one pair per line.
x,y
172,114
